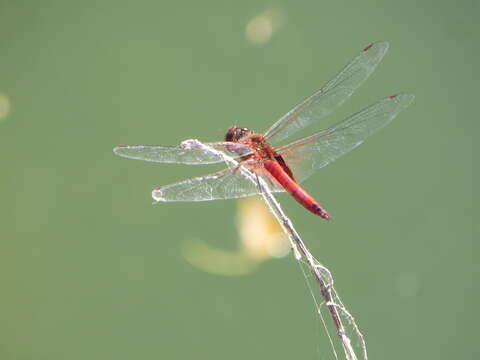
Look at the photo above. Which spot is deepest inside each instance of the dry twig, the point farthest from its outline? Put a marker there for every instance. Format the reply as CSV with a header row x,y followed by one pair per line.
x,y
340,316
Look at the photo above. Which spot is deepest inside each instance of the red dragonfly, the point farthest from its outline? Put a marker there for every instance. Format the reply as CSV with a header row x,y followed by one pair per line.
x,y
283,168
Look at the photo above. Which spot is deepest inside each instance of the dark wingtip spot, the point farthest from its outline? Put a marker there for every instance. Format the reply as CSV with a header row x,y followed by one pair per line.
x,y
393,96
368,47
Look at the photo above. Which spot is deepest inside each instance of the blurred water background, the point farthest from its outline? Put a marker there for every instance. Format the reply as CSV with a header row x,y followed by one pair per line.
x,y
91,270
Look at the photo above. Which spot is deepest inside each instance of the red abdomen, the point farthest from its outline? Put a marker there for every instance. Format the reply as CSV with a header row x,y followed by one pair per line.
x,y
298,193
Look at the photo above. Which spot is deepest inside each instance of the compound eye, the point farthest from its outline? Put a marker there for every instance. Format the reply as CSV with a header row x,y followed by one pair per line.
x,y
245,132
235,134
231,135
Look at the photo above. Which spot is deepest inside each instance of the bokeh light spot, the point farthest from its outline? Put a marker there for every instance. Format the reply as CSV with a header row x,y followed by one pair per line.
x,y
262,26
4,106
407,284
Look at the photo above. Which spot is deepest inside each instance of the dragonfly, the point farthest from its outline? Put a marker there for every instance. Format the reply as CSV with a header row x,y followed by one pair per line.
x,y
282,167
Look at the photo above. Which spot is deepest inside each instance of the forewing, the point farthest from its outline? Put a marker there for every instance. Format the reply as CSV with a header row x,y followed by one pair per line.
x,y
180,154
225,184
309,154
332,95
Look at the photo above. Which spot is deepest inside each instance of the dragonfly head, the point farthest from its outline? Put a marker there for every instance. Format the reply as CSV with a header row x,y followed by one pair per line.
x,y
235,134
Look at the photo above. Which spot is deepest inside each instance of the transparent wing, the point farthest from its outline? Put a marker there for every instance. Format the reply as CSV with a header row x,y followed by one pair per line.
x,y
225,184
332,95
180,154
309,154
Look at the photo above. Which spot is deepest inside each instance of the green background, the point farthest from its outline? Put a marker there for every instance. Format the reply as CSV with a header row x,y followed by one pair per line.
x,y
89,269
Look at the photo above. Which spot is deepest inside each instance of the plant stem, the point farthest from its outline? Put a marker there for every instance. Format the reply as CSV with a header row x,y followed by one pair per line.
x,y
324,281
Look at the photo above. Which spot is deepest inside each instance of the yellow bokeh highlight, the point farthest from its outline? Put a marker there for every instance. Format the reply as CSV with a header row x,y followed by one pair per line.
x,y
4,106
260,29
261,238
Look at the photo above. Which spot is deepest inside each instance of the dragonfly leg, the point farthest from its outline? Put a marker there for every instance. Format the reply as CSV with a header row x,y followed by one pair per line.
x,y
260,189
